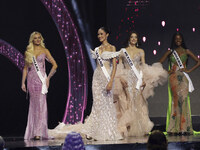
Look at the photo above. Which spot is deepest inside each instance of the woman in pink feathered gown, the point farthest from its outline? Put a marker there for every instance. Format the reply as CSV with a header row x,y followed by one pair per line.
x,y
131,103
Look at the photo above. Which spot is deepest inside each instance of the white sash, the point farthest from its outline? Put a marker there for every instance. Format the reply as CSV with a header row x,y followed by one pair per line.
x,y
180,64
101,64
134,69
43,79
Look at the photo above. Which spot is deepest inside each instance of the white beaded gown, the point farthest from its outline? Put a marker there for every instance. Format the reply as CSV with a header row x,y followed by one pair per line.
x,y
101,124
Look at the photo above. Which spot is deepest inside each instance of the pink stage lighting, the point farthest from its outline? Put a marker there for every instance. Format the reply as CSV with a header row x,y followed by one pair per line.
x,y
163,23
154,52
144,39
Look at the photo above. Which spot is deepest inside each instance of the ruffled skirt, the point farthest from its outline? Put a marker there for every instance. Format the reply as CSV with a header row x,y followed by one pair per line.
x,y
131,104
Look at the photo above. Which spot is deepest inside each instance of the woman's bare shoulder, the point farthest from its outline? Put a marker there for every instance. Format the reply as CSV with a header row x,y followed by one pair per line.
x,y
140,50
112,48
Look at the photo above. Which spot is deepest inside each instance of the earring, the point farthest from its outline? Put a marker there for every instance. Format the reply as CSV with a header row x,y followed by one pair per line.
x,y
137,45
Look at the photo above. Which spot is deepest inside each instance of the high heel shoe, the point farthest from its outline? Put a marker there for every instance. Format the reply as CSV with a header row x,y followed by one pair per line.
x,y
88,137
36,138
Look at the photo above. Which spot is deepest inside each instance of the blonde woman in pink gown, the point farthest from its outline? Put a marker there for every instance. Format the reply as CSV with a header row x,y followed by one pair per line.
x,y
37,127
131,103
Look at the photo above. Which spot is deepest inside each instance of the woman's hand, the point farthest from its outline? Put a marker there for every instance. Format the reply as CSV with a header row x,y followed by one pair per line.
x,y
143,85
47,83
23,87
124,83
184,70
109,86
170,71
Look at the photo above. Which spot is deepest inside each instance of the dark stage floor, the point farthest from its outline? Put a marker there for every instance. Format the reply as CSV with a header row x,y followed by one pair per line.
x,y
133,143
191,142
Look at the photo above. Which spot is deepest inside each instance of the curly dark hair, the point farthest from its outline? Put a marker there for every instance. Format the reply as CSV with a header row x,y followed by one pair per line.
x,y
173,44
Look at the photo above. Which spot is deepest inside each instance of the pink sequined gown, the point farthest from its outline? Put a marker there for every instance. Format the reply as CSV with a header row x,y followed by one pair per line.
x,y
37,115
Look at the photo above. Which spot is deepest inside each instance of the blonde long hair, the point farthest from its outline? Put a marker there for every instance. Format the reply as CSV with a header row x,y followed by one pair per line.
x,y
29,53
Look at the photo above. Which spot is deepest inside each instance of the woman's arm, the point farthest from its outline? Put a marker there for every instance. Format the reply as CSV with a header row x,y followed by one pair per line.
x,y
143,62
164,57
195,58
53,62
54,66
143,57
114,64
24,75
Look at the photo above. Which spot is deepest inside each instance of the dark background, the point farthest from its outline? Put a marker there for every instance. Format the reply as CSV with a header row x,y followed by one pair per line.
x,y
20,18
145,16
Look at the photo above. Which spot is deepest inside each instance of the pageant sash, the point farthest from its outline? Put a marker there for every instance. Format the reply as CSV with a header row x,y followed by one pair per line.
x,y
43,79
101,64
134,69
180,64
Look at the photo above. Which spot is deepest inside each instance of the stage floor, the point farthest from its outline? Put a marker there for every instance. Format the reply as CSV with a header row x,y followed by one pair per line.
x,y
139,143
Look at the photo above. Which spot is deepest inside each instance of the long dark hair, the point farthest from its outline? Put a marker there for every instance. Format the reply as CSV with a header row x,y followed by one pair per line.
x,y
173,44
105,30
128,38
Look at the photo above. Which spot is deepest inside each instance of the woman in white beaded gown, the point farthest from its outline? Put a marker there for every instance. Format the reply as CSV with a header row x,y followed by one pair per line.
x,y
101,124
130,99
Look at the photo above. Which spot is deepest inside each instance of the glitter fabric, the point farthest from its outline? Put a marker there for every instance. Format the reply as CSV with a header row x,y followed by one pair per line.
x,y
101,124
12,54
77,95
37,115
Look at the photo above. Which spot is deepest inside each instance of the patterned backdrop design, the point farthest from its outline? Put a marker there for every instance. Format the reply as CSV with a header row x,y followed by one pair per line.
x,y
77,70
132,10
12,54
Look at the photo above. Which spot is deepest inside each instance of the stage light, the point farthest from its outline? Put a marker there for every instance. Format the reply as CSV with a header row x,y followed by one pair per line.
x,y
193,29
163,23
117,37
177,29
198,56
154,52
144,39
169,49
159,43
136,2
